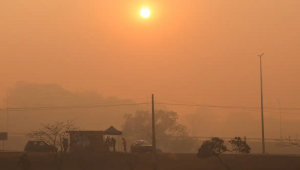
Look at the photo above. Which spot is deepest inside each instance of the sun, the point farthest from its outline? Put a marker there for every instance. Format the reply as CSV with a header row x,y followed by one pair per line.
x,y
145,12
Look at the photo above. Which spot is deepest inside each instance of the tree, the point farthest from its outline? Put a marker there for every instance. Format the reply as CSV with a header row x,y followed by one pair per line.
x,y
54,135
289,141
213,147
138,126
239,146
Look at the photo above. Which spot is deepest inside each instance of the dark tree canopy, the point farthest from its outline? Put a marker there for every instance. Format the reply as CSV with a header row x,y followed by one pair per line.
x,y
239,146
138,126
213,147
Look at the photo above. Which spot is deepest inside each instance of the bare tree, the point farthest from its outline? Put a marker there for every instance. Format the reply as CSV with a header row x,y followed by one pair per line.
x,y
54,135
289,141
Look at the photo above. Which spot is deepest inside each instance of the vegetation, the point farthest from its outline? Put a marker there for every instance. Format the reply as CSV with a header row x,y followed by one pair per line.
x,y
289,141
239,146
54,135
170,134
213,147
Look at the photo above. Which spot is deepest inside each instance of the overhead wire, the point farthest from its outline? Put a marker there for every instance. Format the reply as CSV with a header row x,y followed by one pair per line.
x,y
109,104
224,107
68,107
202,105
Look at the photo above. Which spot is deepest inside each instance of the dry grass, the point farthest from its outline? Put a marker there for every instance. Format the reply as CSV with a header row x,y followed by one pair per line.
x,y
118,161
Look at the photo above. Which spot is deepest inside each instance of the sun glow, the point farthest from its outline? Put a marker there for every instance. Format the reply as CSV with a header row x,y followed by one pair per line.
x,y
145,12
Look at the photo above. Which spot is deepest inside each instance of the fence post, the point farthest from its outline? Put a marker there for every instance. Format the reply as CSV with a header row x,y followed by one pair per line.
x,y
245,139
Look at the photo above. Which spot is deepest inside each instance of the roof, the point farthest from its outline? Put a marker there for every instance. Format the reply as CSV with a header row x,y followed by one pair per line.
x,y
84,131
112,131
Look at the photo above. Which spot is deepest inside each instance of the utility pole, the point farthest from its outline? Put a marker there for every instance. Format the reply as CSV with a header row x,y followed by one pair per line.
x,y
262,108
280,118
7,112
153,137
6,116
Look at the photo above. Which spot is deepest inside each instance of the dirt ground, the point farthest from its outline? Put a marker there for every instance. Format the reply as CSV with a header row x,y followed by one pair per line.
x,y
119,161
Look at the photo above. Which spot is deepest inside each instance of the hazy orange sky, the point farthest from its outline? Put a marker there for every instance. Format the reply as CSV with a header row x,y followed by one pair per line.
x,y
198,51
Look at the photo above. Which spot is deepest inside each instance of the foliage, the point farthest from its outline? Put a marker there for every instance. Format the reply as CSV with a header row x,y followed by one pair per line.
x,y
213,147
239,146
54,135
169,133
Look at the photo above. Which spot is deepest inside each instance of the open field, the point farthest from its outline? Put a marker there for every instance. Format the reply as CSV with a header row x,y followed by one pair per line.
x,y
119,161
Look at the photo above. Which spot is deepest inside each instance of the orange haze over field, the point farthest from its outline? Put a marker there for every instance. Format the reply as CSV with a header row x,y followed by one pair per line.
x,y
196,51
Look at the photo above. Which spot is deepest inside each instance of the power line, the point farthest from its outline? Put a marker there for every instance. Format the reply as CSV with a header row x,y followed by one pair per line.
x,y
132,104
175,100
202,105
115,101
223,107
195,104
215,106
69,107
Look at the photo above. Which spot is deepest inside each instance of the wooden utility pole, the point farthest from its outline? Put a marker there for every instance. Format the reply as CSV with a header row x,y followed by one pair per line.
x,y
262,108
7,117
153,137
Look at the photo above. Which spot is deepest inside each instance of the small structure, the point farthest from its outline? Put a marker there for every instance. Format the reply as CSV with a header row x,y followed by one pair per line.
x,y
86,141
91,141
113,131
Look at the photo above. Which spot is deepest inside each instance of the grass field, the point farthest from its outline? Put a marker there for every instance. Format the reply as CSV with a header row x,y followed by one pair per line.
x,y
119,161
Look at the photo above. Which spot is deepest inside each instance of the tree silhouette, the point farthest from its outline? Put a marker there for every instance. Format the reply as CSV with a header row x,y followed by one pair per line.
x,y
239,146
213,147
169,133
54,135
